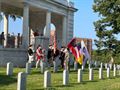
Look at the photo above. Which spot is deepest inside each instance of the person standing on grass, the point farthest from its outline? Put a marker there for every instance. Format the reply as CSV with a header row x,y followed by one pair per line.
x,y
62,56
30,54
39,55
67,59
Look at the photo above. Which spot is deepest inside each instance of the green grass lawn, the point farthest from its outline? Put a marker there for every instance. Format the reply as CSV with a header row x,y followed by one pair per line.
x,y
35,81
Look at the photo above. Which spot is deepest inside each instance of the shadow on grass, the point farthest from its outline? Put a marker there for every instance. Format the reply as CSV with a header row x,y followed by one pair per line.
x,y
49,88
63,86
6,80
90,81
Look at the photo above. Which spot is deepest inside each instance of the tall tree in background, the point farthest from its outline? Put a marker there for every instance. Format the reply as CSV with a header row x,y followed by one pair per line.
x,y
108,26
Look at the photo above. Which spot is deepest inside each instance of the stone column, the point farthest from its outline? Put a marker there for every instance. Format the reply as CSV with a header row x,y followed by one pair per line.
x,y
5,30
48,24
25,34
64,31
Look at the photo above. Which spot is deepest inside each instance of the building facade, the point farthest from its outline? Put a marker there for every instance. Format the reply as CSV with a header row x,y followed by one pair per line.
x,y
37,16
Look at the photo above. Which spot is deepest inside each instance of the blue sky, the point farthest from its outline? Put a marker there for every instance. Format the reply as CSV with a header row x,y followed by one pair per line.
x,y
84,18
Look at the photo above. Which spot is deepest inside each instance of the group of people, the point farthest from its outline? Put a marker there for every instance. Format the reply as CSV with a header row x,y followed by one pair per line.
x,y
52,55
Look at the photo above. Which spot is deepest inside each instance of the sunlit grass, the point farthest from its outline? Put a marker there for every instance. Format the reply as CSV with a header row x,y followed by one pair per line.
x,y
35,81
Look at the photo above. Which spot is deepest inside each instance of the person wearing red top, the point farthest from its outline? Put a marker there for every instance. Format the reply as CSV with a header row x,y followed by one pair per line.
x,y
39,55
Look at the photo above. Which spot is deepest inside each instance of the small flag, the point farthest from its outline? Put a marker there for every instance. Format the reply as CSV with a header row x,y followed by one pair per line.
x,y
85,53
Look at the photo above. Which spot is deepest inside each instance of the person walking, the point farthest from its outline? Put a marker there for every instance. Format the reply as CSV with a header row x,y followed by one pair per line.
x,y
39,55
30,54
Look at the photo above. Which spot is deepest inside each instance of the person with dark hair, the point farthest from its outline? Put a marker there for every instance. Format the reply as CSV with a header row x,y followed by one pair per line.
x,y
67,59
62,56
50,55
30,54
39,55
2,38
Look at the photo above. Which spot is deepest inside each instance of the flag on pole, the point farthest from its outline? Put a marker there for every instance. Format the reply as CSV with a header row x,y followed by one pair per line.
x,y
75,51
85,53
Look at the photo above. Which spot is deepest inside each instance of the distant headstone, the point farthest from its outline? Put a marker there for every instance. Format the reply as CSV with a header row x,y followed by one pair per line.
x,y
28,68
114,70
65,77
21,84
89,67
47,79
100,73
90,74
110,65
101,65
119,72
83,67
79,75
96,64
54,66
106,65
9,68
108,72
42,66
75,65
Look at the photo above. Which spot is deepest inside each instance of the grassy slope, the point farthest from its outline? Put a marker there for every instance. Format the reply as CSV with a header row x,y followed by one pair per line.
x,y
35,81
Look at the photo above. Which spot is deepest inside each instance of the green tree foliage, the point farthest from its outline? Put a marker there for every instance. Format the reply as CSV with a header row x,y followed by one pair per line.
x,y
108,26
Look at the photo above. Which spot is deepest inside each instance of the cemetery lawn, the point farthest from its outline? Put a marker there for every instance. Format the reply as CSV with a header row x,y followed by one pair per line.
x,y
35,81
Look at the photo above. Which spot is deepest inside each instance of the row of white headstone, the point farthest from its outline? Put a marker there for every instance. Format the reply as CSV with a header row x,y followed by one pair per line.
x,y
28,68
47,75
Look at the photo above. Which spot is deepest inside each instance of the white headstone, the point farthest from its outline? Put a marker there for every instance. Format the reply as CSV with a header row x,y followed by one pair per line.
x,y
114,70
21,84
119,72
82,67
108,72
9,68
90,74
75,65
47,79
96,64
42,66
101,65
110,65
79,75
106,65
89,67
28,68
65,77
54,66
100,73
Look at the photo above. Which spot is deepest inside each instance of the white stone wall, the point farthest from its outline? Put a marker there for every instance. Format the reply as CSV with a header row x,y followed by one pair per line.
x,y
17,56
70,26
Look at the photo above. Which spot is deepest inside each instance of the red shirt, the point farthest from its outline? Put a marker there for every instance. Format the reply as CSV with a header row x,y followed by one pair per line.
x,y
39,54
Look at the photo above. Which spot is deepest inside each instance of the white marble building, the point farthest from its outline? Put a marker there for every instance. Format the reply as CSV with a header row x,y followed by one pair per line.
x,y
38,14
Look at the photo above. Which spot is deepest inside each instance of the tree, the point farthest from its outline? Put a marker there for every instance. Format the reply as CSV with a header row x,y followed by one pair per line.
x,y
108,26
